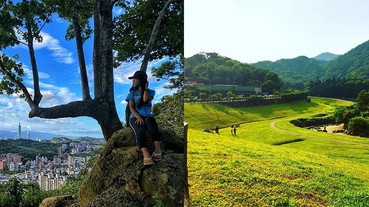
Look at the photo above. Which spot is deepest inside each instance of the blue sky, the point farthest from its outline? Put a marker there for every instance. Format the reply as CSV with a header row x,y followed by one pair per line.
x,y
60,84
256,30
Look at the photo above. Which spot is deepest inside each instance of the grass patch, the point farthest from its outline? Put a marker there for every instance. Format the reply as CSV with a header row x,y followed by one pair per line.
x,y
309,168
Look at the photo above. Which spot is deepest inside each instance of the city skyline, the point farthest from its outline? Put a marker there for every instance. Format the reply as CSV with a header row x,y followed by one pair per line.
x,y
19,134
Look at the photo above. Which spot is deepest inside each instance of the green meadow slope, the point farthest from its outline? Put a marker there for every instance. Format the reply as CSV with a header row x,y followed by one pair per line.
x,y
271,162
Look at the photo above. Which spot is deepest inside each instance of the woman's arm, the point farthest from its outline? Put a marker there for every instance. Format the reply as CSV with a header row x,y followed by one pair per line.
x,y
146,97
134,112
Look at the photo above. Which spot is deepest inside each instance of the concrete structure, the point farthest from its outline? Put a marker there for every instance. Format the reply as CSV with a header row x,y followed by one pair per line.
x,y
51,181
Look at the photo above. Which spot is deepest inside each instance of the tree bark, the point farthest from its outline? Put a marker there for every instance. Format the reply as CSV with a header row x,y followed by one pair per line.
x,y
105,50
96,52
36,82
81,56
153,35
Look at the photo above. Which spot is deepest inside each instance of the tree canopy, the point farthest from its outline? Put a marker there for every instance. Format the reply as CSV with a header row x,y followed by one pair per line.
x,y
211,69
132,35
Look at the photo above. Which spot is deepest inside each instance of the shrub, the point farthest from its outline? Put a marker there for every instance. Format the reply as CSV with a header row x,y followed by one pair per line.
x,y
359,126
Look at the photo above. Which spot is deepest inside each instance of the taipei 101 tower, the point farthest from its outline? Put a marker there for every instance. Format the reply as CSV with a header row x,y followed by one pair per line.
x,y
19,131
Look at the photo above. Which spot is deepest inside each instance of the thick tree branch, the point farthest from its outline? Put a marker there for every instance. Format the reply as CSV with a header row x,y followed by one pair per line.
x,y
18,83
73,109
81,55
36,82
153,35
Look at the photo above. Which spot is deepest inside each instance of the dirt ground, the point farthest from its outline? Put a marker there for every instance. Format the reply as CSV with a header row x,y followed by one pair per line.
x,y
331,128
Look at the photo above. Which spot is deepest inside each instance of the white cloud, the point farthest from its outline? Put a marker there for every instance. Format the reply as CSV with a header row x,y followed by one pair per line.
x,y
28,73
58,52
127,69
161,91
14,110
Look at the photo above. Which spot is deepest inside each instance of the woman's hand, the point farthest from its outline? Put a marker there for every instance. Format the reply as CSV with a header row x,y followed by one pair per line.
x,y
139,121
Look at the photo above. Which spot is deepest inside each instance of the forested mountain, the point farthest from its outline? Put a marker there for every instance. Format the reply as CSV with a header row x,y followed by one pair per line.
x,y
297,71
28,149
354,64
211,69
326,56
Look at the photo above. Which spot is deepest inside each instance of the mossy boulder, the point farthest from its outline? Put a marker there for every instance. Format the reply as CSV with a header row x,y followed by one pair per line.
x,y
119,178
58,201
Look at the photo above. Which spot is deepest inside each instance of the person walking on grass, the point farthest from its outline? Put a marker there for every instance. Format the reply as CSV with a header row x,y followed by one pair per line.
x,y
141,119
232,130
235,131
217,129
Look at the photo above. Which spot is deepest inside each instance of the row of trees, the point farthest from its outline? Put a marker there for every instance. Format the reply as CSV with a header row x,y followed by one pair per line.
x,y
337,87
355,117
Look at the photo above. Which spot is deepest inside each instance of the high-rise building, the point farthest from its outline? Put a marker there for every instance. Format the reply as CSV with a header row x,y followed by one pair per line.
x,y
19,131
28,135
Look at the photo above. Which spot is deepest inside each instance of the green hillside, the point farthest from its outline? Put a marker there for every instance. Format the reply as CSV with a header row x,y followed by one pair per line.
x,y
28,149
353,64
296,71
212,69
273,163
210,115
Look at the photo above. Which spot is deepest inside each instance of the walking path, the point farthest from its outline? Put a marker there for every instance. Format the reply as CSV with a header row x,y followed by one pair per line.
x,y
314,136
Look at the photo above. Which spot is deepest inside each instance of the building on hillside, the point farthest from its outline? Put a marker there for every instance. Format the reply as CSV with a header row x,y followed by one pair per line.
x,y
3,164
51,181
13,166
28,135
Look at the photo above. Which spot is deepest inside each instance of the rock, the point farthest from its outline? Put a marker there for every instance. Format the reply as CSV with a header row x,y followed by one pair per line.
x,y
125,137
59,201
119,178
171,142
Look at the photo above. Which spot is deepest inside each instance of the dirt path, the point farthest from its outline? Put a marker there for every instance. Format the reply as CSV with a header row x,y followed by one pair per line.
x,y
315,136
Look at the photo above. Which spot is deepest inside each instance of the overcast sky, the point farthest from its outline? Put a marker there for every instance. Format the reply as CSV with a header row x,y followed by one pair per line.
x,y
60,84
256,30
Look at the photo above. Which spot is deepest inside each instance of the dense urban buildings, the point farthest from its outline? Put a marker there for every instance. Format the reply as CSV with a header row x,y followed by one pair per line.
x,y
49,174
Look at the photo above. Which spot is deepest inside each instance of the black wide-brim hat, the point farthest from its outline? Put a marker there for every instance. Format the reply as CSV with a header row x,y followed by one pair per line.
x,y
139,75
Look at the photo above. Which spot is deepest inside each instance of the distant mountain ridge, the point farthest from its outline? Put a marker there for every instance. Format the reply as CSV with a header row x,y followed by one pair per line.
x,y
354,64
297,72
326,56
34,135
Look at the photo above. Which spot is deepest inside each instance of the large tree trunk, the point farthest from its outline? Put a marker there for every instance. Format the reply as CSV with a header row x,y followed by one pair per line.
x,y
105,12
102,107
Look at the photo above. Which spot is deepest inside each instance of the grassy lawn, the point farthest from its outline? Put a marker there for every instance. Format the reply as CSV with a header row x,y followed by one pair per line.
x,y
271,162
